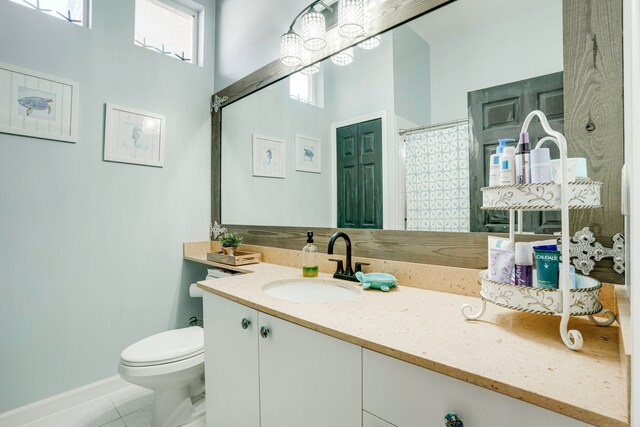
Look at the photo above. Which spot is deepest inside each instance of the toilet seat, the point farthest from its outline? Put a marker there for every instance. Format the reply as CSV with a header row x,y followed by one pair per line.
x,y
165,348
162,369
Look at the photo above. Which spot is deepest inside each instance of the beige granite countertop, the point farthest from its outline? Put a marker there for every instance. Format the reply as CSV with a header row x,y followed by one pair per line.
x,y
517,354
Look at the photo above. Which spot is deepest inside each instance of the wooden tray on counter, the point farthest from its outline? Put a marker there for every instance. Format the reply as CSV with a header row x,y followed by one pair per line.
x,y
240,258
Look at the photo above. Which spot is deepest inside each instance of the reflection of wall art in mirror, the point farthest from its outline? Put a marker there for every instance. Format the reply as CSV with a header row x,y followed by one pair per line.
x,y
308,154
268,156
133,136
38,105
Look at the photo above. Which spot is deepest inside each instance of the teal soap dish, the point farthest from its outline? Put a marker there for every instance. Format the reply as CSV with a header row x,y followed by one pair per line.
x,y
382,281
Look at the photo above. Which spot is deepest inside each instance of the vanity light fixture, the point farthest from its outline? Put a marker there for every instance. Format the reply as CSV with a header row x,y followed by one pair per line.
x,y
343,58
313,31
313,35
370,43
291,49
311,69
351,18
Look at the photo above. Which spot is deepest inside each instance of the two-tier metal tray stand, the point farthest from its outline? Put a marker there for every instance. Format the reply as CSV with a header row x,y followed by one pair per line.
x,y
583,299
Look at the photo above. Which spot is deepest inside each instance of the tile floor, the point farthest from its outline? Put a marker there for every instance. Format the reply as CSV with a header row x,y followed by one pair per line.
x,y
130,407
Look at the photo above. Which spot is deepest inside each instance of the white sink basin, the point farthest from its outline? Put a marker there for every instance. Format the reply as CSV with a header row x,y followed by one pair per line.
x,y
312,290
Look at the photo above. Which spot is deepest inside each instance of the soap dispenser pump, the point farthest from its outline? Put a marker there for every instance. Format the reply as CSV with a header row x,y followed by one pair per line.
x,y
309,257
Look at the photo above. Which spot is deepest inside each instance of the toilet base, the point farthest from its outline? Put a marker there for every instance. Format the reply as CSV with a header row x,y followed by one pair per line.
x,y
172,407
177,393
188,410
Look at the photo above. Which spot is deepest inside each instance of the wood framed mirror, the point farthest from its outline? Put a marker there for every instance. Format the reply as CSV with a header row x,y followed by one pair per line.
x,y
592,121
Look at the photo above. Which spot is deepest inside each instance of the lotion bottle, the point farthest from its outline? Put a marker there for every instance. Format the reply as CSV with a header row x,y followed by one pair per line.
x,y
309,257
494,162
507,170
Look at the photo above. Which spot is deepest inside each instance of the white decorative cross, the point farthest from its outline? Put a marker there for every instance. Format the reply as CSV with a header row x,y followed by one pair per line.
x,y
216,230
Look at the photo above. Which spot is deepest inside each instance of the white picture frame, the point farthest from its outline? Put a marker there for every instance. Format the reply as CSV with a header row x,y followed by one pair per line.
x,y
308,154
268,156
134,136
38,105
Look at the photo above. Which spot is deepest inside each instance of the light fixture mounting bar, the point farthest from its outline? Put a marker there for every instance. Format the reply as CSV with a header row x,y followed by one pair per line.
x,y
306,9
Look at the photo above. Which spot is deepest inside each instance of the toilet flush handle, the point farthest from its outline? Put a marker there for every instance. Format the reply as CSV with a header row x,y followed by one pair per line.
x,y
246,323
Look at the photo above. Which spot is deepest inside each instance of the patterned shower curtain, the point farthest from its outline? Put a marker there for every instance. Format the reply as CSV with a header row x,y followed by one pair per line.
x,y
437,178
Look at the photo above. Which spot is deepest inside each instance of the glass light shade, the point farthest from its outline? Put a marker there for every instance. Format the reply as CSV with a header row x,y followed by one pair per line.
x,y
311,69
351,18
313,31
291,49
343,58
370,43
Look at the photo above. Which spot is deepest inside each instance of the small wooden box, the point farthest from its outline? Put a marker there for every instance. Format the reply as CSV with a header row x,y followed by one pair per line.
x,y
240,258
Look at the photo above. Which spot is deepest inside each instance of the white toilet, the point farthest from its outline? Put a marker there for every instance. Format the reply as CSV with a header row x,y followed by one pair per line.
x,y
171,364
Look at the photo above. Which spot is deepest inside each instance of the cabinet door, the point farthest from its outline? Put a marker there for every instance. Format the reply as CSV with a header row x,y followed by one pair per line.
x,y
231,363
410,396
369,420
307,378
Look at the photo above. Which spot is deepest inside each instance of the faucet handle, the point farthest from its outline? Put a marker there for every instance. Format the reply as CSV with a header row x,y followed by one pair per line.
x,y
359,265
339,267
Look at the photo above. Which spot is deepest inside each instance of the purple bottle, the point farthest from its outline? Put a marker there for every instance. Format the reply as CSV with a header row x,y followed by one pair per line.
x,y
523,264
523,169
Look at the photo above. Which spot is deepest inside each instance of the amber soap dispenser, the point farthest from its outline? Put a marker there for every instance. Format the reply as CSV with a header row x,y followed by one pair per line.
x,y
310,257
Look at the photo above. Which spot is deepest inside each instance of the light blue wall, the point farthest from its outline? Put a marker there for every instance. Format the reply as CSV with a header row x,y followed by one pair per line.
x,y
303,198
90,251
411,76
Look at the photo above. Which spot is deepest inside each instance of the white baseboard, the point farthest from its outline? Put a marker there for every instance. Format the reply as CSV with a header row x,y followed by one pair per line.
x,y
77,396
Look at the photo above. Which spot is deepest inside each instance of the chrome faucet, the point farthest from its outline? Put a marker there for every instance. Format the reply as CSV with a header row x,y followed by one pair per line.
x,y
341,272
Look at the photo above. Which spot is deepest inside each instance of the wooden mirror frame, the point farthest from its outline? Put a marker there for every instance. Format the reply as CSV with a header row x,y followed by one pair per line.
x,y
593,104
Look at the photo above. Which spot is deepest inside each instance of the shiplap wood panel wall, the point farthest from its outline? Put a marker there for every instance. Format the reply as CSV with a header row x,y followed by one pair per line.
x,y
593,103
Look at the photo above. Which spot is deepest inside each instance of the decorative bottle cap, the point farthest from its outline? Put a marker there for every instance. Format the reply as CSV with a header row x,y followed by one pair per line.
x,y
524,254
309,236
540,156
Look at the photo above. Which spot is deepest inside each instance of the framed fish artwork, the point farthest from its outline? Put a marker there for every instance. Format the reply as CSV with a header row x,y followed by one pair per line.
x,y
38,105
134,136
268,157
308,154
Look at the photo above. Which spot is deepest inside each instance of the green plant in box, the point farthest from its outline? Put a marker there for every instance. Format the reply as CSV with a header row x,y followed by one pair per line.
x,y
229,242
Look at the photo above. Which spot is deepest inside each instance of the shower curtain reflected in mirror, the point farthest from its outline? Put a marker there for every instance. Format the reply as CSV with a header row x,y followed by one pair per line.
x,y
437,177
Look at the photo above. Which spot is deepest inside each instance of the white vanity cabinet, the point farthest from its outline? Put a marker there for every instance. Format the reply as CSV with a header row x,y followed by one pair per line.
x,y
231,363
369,420
286,376
406,395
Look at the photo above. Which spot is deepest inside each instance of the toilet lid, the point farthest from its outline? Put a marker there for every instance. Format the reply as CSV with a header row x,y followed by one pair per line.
x,y
165,347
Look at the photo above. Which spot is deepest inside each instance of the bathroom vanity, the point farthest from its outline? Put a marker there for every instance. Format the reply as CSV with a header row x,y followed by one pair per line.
x,y
403,358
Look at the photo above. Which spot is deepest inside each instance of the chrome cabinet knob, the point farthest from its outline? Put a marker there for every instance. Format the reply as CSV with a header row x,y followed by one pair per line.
x,y
264,331
246,323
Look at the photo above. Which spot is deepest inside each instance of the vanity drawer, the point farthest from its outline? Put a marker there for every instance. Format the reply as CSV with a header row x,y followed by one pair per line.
x,y
410,396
